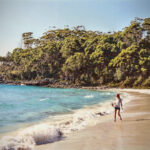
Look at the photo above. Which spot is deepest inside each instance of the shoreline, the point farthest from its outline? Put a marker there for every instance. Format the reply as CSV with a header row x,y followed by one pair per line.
x,y
77,115
136,120
54,84
104,119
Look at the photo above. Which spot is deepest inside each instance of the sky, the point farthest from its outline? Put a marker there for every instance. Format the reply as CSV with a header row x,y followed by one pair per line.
x,y
19,16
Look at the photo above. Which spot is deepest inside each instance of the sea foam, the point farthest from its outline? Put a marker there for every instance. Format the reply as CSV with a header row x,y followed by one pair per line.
x,y
31,136
17,143
89,96
44,99
42,133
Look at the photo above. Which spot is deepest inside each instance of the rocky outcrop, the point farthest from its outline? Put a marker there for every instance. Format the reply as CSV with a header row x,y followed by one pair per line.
x,y
42,82
49,82
1,79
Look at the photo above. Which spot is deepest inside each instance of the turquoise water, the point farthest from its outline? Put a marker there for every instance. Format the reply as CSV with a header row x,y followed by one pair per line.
x,y
29,104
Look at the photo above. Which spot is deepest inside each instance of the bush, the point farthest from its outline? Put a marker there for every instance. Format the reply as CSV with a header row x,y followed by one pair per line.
x,y
112,84
146,83
128,82
118,75
138,82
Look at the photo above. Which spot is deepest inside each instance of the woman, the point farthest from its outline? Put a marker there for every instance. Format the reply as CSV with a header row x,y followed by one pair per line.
x,y
117,107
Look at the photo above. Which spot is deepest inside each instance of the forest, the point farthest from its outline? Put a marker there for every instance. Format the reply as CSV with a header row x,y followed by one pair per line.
x,y
76,56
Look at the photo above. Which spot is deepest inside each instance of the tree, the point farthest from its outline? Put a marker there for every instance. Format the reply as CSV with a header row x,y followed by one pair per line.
x,y
146,28
127,62
28,39
73,67
70,46
133,33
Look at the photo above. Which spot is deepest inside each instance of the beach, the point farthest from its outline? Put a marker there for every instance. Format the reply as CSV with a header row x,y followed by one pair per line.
x,y
133,133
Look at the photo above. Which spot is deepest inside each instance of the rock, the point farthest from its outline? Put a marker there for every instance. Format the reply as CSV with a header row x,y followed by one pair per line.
x,y
1,79
42,82
101,114
47,81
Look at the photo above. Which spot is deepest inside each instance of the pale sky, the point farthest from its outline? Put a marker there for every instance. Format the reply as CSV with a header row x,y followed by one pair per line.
x,y
18,16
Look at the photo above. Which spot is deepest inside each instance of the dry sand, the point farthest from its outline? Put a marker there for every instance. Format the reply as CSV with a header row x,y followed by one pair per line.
x,y
133,133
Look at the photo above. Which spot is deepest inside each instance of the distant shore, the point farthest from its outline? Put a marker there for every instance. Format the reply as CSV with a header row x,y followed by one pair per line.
x,y
131,133
55,84
52,84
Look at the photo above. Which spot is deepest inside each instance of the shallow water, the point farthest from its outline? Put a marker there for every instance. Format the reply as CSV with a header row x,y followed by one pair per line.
x,y
29,104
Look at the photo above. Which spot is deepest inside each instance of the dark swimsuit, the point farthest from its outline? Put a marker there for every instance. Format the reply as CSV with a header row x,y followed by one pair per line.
x,y
117,108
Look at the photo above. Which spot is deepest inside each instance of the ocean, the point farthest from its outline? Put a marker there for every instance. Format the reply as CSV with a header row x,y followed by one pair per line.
x,y
40,115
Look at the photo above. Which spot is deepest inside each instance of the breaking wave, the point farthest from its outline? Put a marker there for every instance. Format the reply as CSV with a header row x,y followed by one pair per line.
x,y
31,136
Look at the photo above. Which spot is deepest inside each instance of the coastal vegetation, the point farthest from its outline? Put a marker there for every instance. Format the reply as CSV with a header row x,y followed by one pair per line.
x,y
75,56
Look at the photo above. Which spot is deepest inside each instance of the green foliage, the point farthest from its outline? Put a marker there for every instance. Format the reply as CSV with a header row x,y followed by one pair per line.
x,y
127,61
70,46
128,82
81,57
118,75
146,83
146,28
138,82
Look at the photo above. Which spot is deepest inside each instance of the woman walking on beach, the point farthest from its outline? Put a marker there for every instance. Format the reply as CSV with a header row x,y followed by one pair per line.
x,y
117,107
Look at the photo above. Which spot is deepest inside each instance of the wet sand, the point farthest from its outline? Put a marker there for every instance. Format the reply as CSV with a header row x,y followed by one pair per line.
x,y
133,133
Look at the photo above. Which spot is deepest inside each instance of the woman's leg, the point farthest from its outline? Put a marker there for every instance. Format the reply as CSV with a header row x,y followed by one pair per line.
x,y
119,114
115,115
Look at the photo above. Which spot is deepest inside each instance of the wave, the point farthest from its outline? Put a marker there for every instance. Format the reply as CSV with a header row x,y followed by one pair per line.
x,y
31,136
44,99
59,126
15,143
89,96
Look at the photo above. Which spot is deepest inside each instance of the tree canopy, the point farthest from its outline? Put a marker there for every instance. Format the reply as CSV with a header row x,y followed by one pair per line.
x,y
80,57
